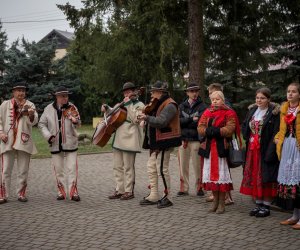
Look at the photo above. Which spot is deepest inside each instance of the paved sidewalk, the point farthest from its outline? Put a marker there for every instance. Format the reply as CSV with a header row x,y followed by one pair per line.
x,y
99,223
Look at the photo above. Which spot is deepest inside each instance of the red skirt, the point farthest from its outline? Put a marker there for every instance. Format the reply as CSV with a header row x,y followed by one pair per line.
x,y
252,183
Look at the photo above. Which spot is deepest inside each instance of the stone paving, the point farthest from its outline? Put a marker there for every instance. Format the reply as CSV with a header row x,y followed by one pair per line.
x,y
99,223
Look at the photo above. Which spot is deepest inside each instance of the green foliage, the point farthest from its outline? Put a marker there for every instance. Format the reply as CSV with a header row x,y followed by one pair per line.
x,y
141,41
33,62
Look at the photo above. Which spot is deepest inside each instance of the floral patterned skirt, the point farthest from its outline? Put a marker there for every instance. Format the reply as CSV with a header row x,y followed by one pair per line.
x,y
252,183
289,175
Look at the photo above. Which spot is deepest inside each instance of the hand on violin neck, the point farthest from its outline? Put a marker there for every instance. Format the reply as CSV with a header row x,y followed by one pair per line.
x,y
104,108
142,117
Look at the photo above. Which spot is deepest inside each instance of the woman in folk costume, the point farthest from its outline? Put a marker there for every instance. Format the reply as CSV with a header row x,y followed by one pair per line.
x,y
58,125
288,151
218,123
261,168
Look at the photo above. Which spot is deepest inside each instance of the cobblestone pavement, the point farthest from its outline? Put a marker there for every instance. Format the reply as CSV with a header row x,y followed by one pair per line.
x,y
99,223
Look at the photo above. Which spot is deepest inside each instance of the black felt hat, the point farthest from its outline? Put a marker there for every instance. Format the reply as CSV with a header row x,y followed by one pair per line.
x,y
62,91
192,86
159,86
128,85
19,85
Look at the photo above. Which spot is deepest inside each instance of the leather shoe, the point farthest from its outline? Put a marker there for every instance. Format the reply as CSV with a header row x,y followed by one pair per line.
x,y
75,197
127,196
3,200
145,202
60,197
296,226
180,194
164,202
116,195
22,199
288,222
263,212
255,210
200,193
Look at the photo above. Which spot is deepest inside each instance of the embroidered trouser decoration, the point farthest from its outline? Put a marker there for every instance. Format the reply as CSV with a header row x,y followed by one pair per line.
x,y
60,186
162,173
22,191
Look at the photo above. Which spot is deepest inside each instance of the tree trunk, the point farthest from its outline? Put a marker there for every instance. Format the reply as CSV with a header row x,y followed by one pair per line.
x,y
196,50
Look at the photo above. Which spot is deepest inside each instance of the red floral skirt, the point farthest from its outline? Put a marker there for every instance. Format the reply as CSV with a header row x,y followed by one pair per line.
x,y
252,181
210,186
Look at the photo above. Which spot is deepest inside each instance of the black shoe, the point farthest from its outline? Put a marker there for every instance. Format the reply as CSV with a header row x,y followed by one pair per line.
x,y
75,198
200,193
180,194
3,200
60,197
22,199
263,212
164,202
255,210
145,202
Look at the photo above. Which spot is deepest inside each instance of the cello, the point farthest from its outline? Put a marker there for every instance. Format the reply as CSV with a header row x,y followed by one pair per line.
x,y
111,122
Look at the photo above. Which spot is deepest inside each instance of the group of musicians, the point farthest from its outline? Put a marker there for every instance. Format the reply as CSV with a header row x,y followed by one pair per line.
x,y
162,128
58,126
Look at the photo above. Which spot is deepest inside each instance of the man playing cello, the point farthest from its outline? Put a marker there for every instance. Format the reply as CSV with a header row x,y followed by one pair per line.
x,y
127,141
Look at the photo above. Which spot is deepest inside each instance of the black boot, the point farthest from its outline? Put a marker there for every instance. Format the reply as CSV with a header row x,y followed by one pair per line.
x,y
164,202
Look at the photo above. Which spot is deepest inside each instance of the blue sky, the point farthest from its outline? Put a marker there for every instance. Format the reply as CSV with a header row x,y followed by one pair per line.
x,y
28,10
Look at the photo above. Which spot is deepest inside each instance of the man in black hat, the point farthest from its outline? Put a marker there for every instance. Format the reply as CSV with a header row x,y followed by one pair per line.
x,y
17,116
58,125
127,141
191,110
163,134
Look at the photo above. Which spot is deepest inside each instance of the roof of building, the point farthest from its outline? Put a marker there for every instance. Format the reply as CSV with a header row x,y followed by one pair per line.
x,y
64,38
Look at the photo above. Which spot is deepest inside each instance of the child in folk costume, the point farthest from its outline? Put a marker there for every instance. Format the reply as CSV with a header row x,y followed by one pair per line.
x,y
218,123
288,151
211,88
17,117
261,168
58,125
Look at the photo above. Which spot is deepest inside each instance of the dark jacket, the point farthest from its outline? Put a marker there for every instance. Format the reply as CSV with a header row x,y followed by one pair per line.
x,y
187,113
269,160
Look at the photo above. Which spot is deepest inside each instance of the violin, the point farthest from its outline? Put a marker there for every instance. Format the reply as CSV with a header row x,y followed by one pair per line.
x,y
151,106
71,110
24,110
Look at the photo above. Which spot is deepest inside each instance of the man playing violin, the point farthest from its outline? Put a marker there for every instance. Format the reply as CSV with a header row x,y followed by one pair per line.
x,y
163,134
58,125
17,116
127,141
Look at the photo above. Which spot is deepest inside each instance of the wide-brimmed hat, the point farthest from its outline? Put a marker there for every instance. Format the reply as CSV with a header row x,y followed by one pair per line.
x,y
192,86
19,85
128,85
159,86
62,91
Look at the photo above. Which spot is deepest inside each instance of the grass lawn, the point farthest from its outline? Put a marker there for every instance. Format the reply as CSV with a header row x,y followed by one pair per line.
x,y
84,147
